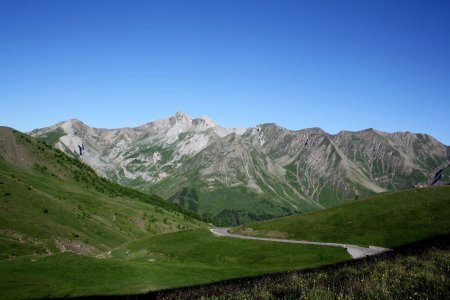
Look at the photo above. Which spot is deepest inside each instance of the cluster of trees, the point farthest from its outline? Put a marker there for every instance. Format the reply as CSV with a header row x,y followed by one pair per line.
x,y
233,217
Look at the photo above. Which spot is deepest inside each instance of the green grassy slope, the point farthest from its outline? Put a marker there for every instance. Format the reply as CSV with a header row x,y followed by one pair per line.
x,y
419,271
159,262
387,220
64,231
50,203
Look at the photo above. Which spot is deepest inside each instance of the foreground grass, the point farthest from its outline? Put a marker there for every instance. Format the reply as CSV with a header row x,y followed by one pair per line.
x,y
416,272
386,220
165,261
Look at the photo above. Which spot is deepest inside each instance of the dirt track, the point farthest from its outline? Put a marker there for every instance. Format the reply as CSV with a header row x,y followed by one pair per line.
x,y
354,250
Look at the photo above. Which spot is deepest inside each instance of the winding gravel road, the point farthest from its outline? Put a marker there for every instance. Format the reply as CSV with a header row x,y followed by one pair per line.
x,y
354,250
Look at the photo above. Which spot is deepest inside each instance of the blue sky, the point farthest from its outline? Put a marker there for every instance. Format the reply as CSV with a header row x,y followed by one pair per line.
x,y
333,64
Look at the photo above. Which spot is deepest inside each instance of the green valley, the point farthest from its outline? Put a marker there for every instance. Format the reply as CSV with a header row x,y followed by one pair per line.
x,y
219,150
66,232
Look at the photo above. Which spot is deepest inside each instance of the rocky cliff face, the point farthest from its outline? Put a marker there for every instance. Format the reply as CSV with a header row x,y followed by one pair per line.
x,y
238,175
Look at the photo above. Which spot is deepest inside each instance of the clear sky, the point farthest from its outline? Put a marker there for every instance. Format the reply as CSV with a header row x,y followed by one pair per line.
x,y
332,64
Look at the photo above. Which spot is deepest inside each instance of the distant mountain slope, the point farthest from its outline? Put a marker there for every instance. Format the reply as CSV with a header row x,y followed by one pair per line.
x,y
237,175
50,202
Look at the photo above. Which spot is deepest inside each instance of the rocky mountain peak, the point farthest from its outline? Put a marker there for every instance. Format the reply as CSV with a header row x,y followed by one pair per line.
x,y
180,118
181,114
208,121
301,170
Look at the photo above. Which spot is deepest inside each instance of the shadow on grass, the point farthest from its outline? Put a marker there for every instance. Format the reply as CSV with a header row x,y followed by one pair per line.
x,y
230,287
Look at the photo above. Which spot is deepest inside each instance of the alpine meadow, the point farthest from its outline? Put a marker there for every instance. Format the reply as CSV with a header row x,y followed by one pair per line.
x,y
224,149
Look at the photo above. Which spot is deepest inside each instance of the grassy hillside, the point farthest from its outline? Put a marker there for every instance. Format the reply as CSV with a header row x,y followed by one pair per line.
x,y
64,231
52,203
419,271
164,261
387,220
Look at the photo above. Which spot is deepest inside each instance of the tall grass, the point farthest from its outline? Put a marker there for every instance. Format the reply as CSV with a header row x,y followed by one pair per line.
x,y
415,272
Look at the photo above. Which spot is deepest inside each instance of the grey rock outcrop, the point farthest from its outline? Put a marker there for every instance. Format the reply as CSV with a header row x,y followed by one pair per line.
x,y
254,173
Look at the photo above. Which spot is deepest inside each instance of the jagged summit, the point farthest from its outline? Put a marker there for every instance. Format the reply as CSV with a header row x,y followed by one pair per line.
x,y
208,121
72,122
263,170
181,117
203,122
180,114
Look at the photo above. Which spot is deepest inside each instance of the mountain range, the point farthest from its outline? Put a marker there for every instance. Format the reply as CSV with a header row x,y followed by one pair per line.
x,y
236,175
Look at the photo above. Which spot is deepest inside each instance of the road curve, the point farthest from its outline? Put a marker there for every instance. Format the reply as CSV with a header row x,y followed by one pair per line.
x,y
354,250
